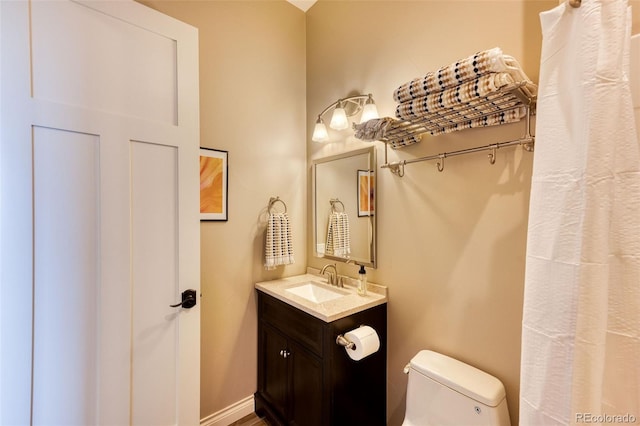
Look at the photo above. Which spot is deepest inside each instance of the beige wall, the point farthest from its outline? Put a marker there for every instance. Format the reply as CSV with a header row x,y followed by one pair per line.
x,y
451,245
252,104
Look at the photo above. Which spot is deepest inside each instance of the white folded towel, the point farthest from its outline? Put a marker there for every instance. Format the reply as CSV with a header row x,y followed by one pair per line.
x,y
278,245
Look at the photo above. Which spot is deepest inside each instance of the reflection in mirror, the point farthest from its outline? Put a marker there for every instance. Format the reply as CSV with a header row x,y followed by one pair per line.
x,y
344,203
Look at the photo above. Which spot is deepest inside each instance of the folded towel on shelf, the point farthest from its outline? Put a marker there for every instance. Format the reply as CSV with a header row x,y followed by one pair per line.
x,y
278,242
406,141
459,72
477,103
372,130
338,235
468,95
502,117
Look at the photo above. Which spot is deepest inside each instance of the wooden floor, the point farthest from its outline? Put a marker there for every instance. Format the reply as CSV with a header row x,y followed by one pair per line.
x,y
250,420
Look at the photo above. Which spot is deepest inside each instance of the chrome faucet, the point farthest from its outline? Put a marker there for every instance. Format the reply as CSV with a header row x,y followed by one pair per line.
x,y
332,278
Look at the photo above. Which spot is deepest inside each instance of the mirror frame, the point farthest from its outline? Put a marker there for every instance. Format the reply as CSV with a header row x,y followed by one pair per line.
x,y
372,262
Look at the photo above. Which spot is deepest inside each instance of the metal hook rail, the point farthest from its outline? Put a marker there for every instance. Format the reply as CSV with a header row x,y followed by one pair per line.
x,y
527,142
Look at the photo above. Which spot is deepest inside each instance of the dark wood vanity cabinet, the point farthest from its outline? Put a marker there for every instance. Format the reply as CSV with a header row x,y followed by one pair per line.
x,y
306,379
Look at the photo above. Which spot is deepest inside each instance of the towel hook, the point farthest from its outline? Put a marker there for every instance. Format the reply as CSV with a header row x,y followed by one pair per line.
x,y
274,200
492,154
575,3
440,164
397,168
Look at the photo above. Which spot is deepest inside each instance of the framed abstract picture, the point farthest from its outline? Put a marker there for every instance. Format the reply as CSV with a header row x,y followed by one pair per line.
x,y
366,184
214,184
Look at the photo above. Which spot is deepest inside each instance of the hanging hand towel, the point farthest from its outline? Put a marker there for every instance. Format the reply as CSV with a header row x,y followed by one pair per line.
x,y
278,245
338,235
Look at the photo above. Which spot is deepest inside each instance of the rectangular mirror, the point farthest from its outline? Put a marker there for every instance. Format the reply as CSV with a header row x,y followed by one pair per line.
x,y
344,206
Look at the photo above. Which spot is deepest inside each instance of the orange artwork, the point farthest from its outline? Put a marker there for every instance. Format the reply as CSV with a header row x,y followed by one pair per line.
x,y
366,182
213,185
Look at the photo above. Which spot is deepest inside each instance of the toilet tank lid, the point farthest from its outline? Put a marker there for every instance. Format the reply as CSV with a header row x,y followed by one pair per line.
x,y
461,377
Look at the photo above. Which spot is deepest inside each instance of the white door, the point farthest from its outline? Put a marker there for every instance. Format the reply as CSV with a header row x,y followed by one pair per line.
x,y
99,213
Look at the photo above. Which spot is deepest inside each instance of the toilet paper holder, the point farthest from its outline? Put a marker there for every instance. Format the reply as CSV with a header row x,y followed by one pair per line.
x,y
343,341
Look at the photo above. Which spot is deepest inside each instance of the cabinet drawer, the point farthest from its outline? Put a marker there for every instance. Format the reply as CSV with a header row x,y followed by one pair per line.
x,y
300,326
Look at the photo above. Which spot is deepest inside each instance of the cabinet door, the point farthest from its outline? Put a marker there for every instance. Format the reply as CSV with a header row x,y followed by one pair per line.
x,y
306,387
274,386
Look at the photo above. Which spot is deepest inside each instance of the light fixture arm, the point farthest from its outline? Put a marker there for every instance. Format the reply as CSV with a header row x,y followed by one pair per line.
x,y
357,100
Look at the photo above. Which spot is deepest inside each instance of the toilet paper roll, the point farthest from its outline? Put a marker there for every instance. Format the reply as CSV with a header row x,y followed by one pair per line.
x,y
366,342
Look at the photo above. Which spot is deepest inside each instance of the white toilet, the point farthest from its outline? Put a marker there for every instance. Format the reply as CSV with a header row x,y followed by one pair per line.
x,y
444,391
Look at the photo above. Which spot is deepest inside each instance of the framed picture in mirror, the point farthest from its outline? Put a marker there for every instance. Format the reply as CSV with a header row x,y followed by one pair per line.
x,y
366,186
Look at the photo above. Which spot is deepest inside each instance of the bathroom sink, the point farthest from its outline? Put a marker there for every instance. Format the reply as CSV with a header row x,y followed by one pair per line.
x,y
316,292
309,292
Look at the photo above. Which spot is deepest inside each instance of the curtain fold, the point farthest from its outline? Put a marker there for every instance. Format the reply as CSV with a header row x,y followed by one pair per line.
x,y
581,318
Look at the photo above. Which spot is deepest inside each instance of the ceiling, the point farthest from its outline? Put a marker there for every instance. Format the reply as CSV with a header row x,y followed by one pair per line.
x,y
303,5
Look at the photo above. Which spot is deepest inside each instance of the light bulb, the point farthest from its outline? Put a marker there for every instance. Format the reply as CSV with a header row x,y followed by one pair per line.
x,y
339,118
320,132
369,112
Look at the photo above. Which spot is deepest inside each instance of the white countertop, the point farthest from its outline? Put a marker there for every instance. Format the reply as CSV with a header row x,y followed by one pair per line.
x,y
327,311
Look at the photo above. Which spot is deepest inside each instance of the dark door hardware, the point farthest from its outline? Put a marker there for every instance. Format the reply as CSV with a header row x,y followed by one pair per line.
x,y
188,300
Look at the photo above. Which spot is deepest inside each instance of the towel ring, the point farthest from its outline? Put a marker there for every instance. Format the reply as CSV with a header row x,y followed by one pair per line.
x,y
274,200
333,203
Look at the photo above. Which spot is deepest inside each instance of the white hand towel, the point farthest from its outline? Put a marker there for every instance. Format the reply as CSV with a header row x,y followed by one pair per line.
x,y
278,241
338,235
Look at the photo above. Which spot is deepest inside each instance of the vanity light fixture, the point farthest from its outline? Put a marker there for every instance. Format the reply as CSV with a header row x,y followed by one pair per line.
x,y
342,110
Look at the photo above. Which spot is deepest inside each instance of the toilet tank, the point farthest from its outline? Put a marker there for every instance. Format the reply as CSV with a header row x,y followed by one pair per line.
x,y
444,391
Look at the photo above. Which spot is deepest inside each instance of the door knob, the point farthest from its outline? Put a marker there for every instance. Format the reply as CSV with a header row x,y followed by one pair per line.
x,y
188,300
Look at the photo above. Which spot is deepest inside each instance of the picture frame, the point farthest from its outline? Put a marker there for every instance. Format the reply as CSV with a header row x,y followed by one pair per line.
x,y
366,185
214,184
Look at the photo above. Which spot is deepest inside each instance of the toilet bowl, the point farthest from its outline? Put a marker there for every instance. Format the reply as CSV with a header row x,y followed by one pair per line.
x,y
444,391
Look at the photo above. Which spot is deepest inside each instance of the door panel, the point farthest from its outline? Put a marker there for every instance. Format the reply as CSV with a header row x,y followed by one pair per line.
x,y
275,386
306,387
67,271
143,63
154,195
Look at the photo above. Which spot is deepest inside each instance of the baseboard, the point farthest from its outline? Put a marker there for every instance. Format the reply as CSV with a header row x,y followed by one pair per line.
x,y
230,414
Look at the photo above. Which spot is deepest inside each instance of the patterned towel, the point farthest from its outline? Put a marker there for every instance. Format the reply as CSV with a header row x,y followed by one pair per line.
x,y
474,66
338,235
377,129
470,95
278,246
406,141
372,130
503,117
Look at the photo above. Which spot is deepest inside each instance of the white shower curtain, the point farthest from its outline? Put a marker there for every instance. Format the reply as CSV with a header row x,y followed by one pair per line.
x,y
581,321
